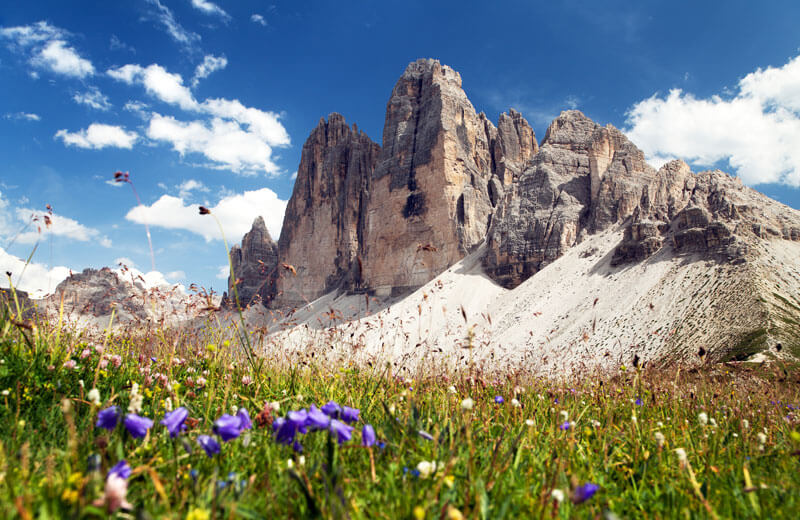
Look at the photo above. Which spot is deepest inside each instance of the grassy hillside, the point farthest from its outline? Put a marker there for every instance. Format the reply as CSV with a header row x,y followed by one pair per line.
x,y
721,443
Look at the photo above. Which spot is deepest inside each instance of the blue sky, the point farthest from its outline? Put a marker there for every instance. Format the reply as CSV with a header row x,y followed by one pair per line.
x,y
210,102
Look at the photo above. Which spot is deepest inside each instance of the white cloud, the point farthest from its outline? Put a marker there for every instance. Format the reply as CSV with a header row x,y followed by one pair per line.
x,y
223,272
186,187
210,64
138,108
24,116
756,129
60,58
257,18
5,217
93,98
127,271
235,137
264,124
165,17
159,83
99,136
235,213
30,35
115,43
223,142
60,226
47,48
210,8
36,279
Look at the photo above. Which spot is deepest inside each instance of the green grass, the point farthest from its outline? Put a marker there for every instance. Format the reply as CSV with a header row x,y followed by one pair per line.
x,y
494,461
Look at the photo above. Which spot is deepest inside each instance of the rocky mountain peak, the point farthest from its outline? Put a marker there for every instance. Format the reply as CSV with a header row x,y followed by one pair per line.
x,y
324,224
254,264
442,170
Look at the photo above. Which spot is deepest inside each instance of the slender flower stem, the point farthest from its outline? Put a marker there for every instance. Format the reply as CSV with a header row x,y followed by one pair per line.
x,y
146,228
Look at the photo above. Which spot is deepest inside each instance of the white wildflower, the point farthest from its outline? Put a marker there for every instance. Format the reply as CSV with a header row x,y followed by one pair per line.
x,y
275,406
703,418
745,424
301,461
299,397
564,415
634,420
168,404
557,495
94,396
762,439
682,457
5,392
515,403
289,464
660,439
660,424
712,422
451,389
529,422
135,406
595,423
427,469
80,382
467,404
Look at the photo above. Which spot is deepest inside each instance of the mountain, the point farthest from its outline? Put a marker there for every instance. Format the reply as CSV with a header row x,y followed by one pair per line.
x,y
576,246
254,263
89,299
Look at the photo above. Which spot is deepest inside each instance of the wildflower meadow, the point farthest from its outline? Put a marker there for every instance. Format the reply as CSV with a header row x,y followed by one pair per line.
x,y
180,426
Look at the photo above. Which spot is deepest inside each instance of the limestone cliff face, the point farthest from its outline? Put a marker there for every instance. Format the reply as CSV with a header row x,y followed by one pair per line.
x,y
254,266
587,178
324,224
442,169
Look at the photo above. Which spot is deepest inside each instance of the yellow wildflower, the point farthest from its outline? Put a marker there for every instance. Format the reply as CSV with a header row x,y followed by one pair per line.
x,y
198,514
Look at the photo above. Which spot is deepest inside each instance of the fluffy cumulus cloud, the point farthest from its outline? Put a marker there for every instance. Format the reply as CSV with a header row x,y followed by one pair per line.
x,y
231,135
210,64
223,142
210,8
234,212
756,129
99,136
47,48
159,83
92,98
35,278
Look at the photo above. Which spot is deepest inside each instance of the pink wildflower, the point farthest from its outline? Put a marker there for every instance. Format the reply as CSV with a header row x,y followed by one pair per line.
x,y
115,495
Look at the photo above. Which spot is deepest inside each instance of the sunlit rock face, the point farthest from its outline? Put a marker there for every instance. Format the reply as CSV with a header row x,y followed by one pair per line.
x,y
441,171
